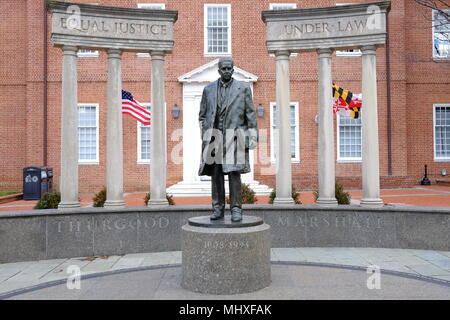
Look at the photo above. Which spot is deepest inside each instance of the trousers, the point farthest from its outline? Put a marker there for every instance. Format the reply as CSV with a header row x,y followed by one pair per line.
x,y
218,189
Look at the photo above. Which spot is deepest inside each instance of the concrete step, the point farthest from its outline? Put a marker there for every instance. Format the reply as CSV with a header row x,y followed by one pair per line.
x,y
203,189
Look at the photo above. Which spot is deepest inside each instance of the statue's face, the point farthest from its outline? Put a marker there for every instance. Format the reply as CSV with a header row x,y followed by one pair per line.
x,y
226,70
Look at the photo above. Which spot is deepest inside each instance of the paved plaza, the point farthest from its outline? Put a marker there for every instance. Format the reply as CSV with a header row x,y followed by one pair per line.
x,y
335,273
427,196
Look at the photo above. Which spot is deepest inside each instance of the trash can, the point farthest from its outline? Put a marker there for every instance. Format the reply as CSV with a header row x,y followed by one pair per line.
x,y
32,180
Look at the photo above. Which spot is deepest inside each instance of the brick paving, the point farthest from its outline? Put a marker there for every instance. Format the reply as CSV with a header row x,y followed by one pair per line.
x,y
428,196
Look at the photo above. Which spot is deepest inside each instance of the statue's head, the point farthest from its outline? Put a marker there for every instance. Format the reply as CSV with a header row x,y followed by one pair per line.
x,y
226,68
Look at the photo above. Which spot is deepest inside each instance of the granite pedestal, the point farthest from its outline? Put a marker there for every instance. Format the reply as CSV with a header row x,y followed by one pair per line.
x,y
225,257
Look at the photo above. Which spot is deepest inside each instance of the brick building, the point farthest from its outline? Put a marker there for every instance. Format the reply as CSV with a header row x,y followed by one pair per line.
x,y
413,73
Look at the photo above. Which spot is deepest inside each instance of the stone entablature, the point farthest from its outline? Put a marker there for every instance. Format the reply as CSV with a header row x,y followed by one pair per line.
x,y
103,27
339,27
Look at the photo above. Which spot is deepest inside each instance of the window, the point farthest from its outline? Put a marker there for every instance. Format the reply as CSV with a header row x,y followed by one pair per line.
x,y
442,132
143,139
88,133
152,6
217,29
86,53
441,35
293,117
349,139
348,53
282,6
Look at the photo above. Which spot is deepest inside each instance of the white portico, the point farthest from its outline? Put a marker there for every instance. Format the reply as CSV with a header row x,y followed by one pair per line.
x,y
193,84
355,26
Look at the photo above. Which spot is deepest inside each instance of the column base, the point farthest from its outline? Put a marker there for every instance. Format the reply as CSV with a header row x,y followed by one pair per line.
x,y
371,203
327,202
111,204
283,201
68,205
157,203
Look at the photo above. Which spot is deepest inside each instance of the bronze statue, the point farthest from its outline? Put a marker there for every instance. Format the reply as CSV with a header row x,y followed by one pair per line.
x,y
229,129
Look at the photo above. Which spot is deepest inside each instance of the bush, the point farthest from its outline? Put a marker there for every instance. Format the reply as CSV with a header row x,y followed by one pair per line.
x,y
168,197
49,201
100,198
247,195
295,196
342,197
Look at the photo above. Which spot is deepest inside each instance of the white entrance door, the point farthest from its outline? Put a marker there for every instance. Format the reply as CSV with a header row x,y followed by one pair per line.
x,y
192,95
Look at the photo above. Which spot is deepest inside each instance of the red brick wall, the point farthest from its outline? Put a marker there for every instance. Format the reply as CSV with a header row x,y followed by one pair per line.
x,y
416,83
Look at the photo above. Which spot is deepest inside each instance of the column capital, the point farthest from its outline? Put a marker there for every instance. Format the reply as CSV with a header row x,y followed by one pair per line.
x,y
157,55
325,52
282,55
69,50
369,50
114,53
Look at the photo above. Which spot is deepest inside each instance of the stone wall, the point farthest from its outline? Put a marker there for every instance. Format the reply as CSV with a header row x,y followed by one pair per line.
x,y
50,234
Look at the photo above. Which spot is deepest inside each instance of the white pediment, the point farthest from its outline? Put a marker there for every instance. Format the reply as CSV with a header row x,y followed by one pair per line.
x,y
208,73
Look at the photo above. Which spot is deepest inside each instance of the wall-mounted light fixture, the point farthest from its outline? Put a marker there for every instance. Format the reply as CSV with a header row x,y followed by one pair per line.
x,y
444,172
176,111
260,110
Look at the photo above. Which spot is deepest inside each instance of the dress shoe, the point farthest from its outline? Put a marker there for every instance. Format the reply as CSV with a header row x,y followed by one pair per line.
x,y
217,215
236,216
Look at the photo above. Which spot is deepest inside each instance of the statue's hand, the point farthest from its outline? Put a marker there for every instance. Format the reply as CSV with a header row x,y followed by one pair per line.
x,y
252,144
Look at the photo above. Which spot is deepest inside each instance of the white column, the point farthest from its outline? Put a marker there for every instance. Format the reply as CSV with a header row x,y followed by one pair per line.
x,y
69,131
283,154
158,159
370,155
326,133
114,139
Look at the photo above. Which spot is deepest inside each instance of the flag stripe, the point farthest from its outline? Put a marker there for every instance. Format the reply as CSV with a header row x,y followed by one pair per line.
x,y
143,122
135,113
137,105
138,111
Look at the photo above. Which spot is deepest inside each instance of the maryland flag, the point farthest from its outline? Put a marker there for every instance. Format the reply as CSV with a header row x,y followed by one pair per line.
x,y
346,103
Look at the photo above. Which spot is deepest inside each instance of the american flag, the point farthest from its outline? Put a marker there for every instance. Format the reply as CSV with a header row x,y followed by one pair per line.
x,y
132,107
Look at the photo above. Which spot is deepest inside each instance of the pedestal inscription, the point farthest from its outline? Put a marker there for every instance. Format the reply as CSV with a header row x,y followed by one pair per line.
x,y
229,259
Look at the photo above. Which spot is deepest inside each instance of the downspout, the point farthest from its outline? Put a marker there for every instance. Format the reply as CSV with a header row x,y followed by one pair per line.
x,y
388,96
45,137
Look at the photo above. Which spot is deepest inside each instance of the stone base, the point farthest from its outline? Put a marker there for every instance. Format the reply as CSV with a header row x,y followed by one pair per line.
x,y
158,203
283,201
327,202
114,204
68,205
374,203
224,257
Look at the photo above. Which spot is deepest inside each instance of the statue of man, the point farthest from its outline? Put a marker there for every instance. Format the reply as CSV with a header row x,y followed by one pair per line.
x,y
229,129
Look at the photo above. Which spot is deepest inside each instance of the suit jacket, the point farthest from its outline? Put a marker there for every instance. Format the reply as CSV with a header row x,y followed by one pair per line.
x,y
238,115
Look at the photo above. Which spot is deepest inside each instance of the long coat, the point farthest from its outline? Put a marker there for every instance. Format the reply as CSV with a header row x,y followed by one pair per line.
x,y
239,114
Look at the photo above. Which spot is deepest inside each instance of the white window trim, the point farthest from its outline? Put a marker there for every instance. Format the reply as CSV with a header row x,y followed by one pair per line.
x,y
340,159
296,159
96,161
343,53
139,154
94,54
138,136
205,29
436,159
147,6
287,5
438,58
